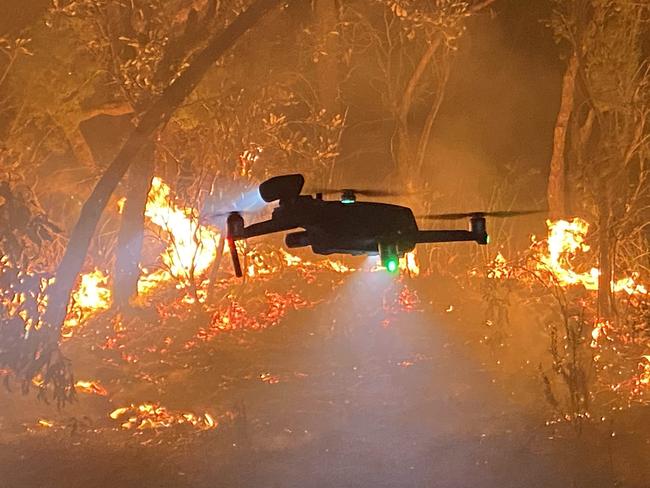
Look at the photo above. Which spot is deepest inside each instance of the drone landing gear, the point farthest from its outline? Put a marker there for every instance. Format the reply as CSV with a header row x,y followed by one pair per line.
x,y
235,226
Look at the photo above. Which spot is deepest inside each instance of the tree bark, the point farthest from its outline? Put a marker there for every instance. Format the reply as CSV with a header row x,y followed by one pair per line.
x,y
151,121
80,149
131,234
327,72
605,302
556,190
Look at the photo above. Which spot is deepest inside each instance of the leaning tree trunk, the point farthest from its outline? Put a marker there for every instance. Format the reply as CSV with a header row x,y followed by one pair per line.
x,y
155,117
327,68
605,302
131,235
327,72
556,190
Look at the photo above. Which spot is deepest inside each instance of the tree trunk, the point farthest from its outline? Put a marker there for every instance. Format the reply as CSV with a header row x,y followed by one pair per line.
x,y
556,189
131,235
155,117
327,72
605,264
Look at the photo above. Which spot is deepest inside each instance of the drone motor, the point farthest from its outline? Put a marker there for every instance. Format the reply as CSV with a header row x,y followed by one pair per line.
x,y
478,228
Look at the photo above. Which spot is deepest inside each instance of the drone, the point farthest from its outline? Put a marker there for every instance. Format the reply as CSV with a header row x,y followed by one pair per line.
x,y
348,226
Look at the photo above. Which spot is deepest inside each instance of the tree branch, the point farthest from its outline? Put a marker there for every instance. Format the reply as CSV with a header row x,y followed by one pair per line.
x,y
152,119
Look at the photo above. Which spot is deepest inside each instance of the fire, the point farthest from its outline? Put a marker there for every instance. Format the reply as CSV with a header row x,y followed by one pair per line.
x,y
599,331
269,378
644,378
92,296
409,264
154,416
408,300
565,240
498,268
235,317
192,247
90,387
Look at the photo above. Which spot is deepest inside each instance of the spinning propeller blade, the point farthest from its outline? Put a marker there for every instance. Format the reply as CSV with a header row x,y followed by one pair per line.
x,y
356,191
464,215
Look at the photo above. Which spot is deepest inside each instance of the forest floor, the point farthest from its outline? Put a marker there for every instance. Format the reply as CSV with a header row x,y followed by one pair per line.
x,y
357,399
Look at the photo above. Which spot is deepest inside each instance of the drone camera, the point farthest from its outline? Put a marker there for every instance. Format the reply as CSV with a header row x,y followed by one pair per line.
x,y
285,187
479,229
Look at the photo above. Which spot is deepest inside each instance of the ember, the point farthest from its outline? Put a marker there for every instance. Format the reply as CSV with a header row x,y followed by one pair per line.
x,y
92,296
154,416
91,387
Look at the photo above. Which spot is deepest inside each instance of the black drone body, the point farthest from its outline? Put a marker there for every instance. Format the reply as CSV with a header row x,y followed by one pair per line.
x,y
346,226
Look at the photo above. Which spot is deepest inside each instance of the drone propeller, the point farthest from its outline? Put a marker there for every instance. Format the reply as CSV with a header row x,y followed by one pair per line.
x,y
213,217
227,213
497,214
356,191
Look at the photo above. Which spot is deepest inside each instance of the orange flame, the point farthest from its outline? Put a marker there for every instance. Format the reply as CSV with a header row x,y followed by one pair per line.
x,y
192,247
90,387
409,264
154,416
91,297
644,378
565,240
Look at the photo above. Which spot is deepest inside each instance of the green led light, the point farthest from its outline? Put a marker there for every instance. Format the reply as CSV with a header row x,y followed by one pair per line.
x,y
487,239
391,265
347,201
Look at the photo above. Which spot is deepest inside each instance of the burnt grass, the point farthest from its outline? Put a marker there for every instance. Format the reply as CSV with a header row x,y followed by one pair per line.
x,y
354,391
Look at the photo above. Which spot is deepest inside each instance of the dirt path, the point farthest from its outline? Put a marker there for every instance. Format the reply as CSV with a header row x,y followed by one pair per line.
x,y
369,400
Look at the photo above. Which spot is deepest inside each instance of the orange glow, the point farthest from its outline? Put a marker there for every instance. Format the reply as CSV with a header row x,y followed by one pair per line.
x,y
498,268
154,416
409,264
644,378
192,247
598,332
566,239
90,387
92,296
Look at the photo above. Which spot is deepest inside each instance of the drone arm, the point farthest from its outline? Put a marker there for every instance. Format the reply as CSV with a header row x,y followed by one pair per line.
x,y
445,236
265,227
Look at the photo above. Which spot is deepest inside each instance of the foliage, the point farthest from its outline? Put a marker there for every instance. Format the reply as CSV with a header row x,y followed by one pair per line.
x,y
592,367
610,131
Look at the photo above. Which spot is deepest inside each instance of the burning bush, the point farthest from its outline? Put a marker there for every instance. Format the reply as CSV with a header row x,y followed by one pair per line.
x,y
597,363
